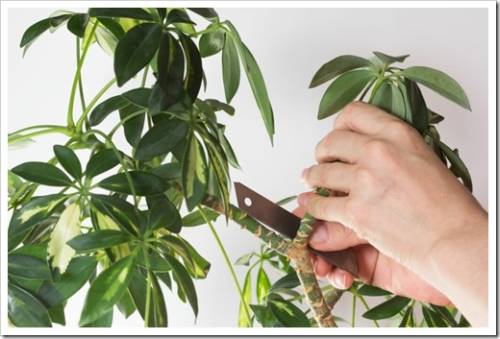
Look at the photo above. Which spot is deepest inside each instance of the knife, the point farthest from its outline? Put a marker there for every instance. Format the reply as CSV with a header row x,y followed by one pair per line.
x,y
278,219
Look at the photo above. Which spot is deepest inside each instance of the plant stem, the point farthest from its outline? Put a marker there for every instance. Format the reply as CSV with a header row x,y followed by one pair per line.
x,y
92,103
145,76
76,78
148,289
228,262
365,304
17,137
353,317
80,82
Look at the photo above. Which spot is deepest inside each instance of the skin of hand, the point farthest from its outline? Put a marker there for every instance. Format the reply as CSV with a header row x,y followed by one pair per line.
x,y
415,228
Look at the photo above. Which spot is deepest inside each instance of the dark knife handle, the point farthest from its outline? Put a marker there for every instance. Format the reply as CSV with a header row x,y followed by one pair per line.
x,y
344,259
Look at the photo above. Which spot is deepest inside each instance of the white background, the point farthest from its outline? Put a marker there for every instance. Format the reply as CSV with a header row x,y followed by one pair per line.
x,y
290,45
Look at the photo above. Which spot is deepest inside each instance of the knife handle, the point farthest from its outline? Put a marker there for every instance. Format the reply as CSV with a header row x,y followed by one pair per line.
x,y
344,259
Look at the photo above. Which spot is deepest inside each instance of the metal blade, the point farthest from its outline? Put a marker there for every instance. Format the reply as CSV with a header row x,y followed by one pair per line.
x,y
266,211
279,219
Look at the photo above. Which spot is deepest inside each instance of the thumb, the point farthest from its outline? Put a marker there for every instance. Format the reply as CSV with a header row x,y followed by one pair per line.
x,y
333,236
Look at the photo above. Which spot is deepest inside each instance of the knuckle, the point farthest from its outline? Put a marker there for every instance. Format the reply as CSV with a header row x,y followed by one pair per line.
x,y
401,131
378,150
364,177
321,150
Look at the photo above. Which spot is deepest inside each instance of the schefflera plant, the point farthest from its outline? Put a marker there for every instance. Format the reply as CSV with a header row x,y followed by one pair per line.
x,y
396,90
115,220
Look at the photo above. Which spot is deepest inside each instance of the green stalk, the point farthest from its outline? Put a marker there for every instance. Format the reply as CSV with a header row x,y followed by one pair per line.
x,y
80,82
365,304
228,262
16,137
92,103
148,290
353,317
76,78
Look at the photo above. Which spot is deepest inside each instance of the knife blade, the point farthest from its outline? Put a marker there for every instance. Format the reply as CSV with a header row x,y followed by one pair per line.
x,y
286,223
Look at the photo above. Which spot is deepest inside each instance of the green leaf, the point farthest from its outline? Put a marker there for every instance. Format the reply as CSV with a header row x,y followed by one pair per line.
x,y
78,23
244,259
211,42
28,267
228,149
106,37
170,71
216,106
101,111
196,218
38,28
372,291
194,173
68,160
158,316
256,81
457,166
197,266
387,59
434,117
106,320
207,13
157,309
14,183
343,90
126,305
67,227
107,289
132,127
24,310
132,13
119,210
408,320
42,173
35,211
244,318
439,82
416,108
144,183
138,96
289,281
101,162
387,309
288,314
194,68
184,282
178,16
56,314
163,214
286,200
336,67
432,319
390,98
135,50
95,240
263,285
265,316
445,314
161,139
76,275
230,68
169,172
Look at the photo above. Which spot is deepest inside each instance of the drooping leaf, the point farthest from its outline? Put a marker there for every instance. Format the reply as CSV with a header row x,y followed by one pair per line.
x,y
194,67
101,162
336,67
388,60
194,173
101,111
216,106
196,218
178,15
387,309
24,310
263,285
133,123
432,318
42,173
433,117
343,90
67,227
244,319
390,98
38,28
138,96
28,266
230,68
126,305
95,240
68,160
439,82
184,282
135,50
161,139
107,289
197,266
289,281
144,183
265,316
457,166
416,107
132,13
211,43
445,314
408,319
77,24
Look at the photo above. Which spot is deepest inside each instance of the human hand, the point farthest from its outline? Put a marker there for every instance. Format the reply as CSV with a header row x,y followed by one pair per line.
x,y
400,198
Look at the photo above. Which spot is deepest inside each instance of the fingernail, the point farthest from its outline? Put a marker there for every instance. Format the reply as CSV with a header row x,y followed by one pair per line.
x,y
319,236
341,280
303,199
303,177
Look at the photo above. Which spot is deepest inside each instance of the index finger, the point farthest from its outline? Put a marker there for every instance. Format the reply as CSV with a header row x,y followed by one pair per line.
x,y
363,118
